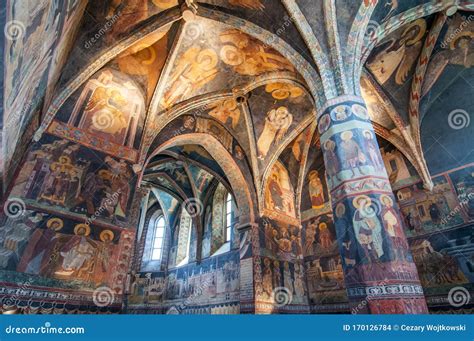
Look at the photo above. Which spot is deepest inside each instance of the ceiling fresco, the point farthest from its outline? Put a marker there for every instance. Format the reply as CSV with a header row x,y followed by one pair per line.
x,y
108,104
269,15
394,59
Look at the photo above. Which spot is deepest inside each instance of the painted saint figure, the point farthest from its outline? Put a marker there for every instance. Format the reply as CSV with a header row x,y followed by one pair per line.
x,y
353,155
316,191
310,237
267,278
287,279
325,239
371,147
39,254
367,228
332,162
277,123
394,228
77,252
276,193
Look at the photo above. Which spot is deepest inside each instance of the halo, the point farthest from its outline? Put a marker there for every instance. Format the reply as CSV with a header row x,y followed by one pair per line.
x,y
55,220
421,23
327,144
346,135
323,225
106,233
452,44
79,226
384,198
357,201
340,210
105,174
359,111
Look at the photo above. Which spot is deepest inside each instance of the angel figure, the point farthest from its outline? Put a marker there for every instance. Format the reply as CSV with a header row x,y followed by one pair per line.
x,y
458,51
225,110
195,68
105,111
277,123
400,55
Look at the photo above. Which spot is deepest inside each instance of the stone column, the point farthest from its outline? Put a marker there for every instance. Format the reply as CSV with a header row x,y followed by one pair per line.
x,y
379,271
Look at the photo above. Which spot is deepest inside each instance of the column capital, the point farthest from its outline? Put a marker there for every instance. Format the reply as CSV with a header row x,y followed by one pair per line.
x,y
337,100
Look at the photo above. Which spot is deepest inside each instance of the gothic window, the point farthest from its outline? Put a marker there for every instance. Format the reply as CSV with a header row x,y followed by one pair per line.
x,y
228,217
158,237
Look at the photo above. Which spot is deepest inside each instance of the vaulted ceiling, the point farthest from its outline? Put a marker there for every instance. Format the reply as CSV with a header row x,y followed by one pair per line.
x,y
221,67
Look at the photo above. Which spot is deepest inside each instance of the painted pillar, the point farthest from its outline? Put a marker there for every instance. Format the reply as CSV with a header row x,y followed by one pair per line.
x,y
380,275
249,266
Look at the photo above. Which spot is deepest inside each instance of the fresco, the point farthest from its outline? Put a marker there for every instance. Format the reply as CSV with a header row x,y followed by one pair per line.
x,y
426,211
295,155
270,16
455,49
388,9
276,109
395,58
280,240
207,234
315,194
399,170
35,34
323,263
71,179
208,285
444,261
282,286
218,214
208,57
109,21
279,192
86,255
